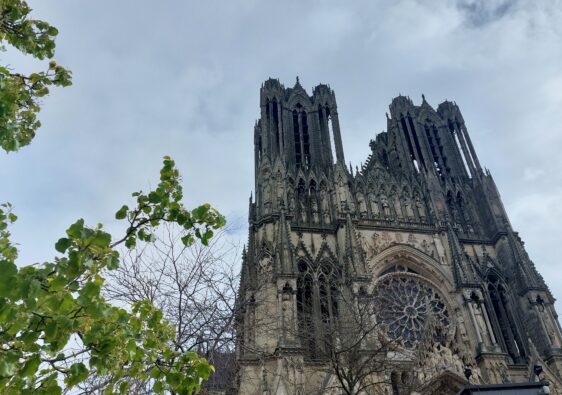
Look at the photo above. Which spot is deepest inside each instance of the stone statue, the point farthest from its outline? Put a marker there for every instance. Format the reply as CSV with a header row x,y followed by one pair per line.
x,y
457,364
288,316
290,201
385,206
421,209
341,193
426,247
465,213
362,205
280,188
302,208
265,268
351,205
397,205
325,206
408,208
374,205
266,197
550,326
481,323
462,328
314,209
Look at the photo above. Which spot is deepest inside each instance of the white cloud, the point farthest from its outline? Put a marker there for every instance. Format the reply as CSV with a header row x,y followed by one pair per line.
x,y
183,79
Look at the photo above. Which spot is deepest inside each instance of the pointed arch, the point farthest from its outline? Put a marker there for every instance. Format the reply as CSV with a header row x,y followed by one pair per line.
x,y
312,187
417,260
326,253
317,302
302,253
299,97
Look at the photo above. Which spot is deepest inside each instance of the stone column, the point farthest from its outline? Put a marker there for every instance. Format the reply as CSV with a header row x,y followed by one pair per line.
x,y
478,334
488,324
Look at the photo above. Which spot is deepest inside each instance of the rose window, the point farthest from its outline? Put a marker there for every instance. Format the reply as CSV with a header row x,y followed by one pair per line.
x,y
409,308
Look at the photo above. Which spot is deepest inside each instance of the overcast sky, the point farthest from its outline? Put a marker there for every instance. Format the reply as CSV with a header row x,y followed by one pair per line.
x,y
183,77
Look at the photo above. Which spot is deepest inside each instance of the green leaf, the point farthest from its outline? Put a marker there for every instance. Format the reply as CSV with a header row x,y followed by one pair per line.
x,y
113,262
77,373
188,240
31,366
7,369
123,387
57,283
101,239
62,245
154,197
131,242
122,213
75,230
158,387
8,270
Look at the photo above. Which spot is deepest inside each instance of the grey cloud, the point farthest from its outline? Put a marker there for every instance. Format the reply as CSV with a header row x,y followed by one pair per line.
x,y
182,78
481,12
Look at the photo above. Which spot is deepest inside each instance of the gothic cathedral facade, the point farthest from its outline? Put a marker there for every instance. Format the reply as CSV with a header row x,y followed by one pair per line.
x,y
401,277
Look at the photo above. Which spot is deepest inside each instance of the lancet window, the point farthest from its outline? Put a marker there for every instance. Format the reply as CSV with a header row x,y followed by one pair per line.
x,y
317,305
326,129
301,136
506,328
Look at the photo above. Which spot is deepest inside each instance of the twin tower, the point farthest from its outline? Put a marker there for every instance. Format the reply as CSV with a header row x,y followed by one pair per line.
x,y
402,274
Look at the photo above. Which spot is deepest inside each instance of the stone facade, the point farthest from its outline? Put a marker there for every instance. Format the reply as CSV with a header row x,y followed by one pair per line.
x,y
419,232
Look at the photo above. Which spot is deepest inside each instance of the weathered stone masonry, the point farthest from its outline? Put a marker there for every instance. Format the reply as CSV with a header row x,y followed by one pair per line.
x,y
422,214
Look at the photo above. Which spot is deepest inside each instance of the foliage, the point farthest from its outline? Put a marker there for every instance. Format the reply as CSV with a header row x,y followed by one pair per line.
x,y
55,326
19,93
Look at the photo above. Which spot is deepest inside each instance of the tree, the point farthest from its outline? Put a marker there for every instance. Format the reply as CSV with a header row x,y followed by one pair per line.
x,y
338,327
355,347
336,331
194,286
56,327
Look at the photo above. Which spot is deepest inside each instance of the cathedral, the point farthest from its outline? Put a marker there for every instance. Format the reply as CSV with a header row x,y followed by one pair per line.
x,y
403,276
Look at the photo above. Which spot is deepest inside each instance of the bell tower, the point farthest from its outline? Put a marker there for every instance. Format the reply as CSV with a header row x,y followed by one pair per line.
x,y
403,273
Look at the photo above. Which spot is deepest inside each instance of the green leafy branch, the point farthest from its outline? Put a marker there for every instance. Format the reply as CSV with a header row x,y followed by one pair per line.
x,y
20,94
55,325
164,204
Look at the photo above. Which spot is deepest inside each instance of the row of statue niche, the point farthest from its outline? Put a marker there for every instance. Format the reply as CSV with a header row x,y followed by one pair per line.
x,y
381,240
310,206
395,206
378,206
267,198
297,204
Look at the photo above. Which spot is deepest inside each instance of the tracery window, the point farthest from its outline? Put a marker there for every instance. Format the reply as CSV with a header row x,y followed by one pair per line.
x,y
317,304
409,308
